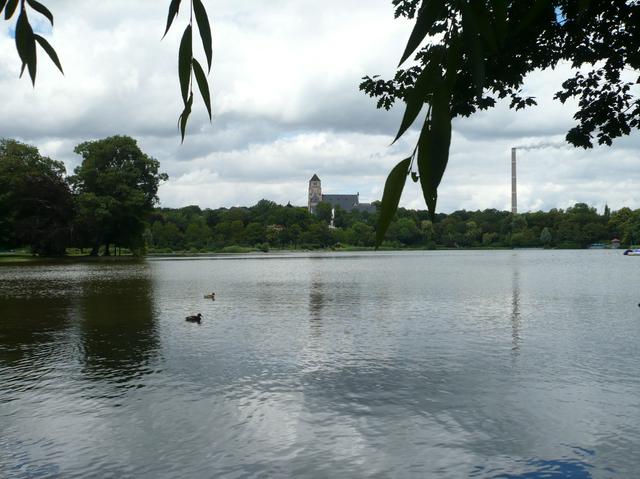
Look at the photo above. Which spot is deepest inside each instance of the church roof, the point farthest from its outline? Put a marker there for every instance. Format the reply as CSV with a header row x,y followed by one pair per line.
x,y
314,178
346,202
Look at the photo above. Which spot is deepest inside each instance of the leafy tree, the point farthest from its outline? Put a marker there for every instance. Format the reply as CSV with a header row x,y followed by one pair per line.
x,y
405,230
360,234
35,200
263,210
173,237
475,53
288,227
116,187
545,236
488,238
428,231
323,211
294,233
317,235
237,231
197,234
254,233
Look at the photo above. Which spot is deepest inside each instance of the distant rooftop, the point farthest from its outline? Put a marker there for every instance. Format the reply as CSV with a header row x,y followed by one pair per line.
x,y
314,178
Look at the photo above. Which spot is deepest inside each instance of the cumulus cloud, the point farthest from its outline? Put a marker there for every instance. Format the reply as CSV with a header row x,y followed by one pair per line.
x,y
286,105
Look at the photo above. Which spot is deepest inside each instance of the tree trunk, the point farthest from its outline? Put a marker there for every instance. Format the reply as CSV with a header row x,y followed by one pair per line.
x,y
94,250
106,250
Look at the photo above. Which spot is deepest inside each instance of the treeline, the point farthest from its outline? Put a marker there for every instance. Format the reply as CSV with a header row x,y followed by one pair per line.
x,y
109,201
105,204
269,225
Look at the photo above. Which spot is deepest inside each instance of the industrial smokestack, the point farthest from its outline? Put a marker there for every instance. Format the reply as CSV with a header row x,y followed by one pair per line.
x,y
514,195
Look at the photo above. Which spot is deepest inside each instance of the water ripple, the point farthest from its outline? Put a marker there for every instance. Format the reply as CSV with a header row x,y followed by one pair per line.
x,y
492,365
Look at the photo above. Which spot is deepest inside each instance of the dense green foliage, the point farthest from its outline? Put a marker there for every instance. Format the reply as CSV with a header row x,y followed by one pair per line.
x,y
113,192
475,53
268,225
35,200
115,189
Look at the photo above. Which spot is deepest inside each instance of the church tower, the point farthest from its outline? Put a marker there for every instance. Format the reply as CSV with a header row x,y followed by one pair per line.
x,y
315,193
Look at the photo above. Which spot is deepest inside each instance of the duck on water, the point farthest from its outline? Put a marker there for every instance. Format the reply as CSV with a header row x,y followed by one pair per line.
x,y
194,319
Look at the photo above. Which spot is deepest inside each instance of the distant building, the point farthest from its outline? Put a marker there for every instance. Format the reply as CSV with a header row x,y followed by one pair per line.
x,y
346,202
615,243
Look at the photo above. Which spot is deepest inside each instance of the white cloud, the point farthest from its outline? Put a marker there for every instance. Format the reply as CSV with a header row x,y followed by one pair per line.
x,y
286,105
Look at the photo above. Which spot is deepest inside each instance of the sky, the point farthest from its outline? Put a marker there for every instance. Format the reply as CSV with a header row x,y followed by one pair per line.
x,y
286,105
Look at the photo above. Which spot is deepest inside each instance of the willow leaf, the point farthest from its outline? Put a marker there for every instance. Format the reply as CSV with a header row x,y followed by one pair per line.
x,y
203,86
46,46
185,54
26,44
391,197
427,16
416,97
2,4
10,9
205,30
40,8
184,116
174,7
433,147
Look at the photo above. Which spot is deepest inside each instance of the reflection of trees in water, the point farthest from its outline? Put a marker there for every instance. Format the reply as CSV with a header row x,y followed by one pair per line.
x,y
332,299
118,334
32,327
316,301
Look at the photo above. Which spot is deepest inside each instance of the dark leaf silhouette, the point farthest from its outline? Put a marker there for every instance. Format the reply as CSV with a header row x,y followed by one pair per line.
x,y
26,44
427,15
433,147
417,96
185,54
205,30
40,8
184,116
203,86
174,6
391,197
10,9
50,51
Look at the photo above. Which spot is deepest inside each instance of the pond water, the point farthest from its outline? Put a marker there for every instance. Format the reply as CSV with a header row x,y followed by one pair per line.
x,y
488,364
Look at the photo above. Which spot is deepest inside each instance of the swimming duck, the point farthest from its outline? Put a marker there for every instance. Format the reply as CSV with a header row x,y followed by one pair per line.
x,y
194,319
211,296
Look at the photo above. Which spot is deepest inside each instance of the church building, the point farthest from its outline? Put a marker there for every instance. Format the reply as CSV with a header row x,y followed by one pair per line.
x,y
346,202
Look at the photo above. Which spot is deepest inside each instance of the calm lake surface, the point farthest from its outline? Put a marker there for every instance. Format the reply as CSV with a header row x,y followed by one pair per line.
x,y
488,364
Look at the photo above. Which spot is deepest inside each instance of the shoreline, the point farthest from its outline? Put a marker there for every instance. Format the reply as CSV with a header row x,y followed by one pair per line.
x,y
22,258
